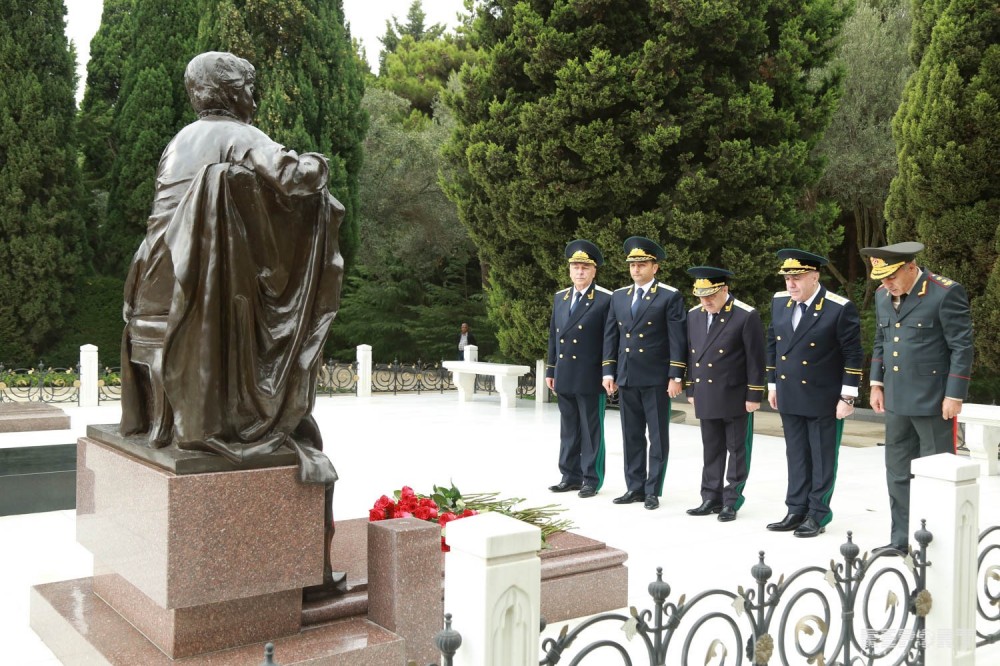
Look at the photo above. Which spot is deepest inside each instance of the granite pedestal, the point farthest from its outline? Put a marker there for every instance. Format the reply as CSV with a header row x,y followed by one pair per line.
x,y
580,576
191,564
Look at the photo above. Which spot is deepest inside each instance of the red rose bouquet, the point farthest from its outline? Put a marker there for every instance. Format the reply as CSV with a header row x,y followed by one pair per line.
x,y
447,504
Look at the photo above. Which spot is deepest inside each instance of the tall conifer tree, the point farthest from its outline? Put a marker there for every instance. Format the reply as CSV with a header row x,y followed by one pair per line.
x,y
42,244
686,121
151,106
108,51
309,82
946,193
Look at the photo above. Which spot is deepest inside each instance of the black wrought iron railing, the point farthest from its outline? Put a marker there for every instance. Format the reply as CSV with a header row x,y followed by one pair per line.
x,y
988,588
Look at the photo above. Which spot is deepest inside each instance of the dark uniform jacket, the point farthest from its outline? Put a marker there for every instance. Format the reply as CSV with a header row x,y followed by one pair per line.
x,y
924,353
811,364
650,348
576,341
725,365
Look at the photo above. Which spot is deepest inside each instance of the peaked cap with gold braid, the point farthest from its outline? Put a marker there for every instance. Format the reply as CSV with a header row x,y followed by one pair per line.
x,y
888,259
796,262
708,279
638,248
583,252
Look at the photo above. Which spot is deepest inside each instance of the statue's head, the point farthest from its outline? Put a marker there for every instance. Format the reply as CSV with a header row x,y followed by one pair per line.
x,y
221,82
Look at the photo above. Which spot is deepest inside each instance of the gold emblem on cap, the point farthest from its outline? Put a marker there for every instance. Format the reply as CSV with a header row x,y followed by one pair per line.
x,y
704,283
791,262
639,254
581,257
881,269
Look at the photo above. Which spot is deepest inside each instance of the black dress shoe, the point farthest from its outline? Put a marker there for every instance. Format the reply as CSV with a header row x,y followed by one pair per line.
x,y
629,497
788,523
727,514
707,507
809,528
891,549
587,491
564,486
652,502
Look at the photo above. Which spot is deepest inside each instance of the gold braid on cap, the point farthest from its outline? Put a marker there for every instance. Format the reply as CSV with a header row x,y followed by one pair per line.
x,y
793,266
881,269
581,257
638,254
705,287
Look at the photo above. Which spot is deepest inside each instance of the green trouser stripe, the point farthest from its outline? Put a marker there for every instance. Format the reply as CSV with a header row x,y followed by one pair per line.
x,y
665,432
836,463
748,449
599,459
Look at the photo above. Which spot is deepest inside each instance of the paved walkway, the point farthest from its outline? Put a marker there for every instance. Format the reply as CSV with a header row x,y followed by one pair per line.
x,y
384,442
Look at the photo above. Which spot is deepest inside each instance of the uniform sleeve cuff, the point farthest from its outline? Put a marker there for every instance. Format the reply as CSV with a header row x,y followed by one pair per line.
x,y
772,387
850,391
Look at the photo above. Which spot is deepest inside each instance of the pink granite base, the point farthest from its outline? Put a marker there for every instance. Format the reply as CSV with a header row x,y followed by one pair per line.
x,y
183,632
195,539
32,416
580,576
81,629
404,587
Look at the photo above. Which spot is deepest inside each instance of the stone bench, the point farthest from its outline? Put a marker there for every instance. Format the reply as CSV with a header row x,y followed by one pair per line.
x,y
505,376
982,435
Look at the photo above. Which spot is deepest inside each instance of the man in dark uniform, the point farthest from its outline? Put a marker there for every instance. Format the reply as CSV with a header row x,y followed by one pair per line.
x,y
576,339
813,370
645,344
725,383
921,364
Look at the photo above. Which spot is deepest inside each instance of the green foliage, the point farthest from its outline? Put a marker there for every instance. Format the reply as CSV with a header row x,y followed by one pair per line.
x,y
417,278
414,28
97,112
946,193
858,147
151,107
692,123
97,320
42,236
309,83
419,70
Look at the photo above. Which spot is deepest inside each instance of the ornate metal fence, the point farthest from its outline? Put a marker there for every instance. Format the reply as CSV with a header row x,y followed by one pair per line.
x,y
866,609
860,610
58,385
39,384
336,377
988,584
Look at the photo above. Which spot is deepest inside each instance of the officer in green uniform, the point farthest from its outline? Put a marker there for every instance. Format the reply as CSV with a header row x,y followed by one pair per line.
x,y
920,370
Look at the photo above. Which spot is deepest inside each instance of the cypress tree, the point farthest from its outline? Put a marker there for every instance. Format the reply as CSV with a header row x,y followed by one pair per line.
x,y
688,122
309,83
947,132
42,243
151,106
108,50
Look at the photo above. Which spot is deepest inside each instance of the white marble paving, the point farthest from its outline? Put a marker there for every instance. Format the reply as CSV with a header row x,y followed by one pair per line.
x,y
380,443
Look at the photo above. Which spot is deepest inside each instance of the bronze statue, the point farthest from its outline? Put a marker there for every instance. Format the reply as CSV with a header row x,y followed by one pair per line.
x,y
230,296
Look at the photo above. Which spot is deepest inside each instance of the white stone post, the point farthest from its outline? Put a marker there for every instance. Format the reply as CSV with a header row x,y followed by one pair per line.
x,y
364,371
945,492
492,588
541,390
471,353
88,376
982,435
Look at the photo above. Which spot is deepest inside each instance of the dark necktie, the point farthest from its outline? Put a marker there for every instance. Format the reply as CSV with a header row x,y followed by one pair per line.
x,y
576,302
899,305
802,310
711,320
638,299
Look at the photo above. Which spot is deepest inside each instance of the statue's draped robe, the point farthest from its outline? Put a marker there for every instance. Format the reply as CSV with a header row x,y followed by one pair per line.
x,y
240,270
